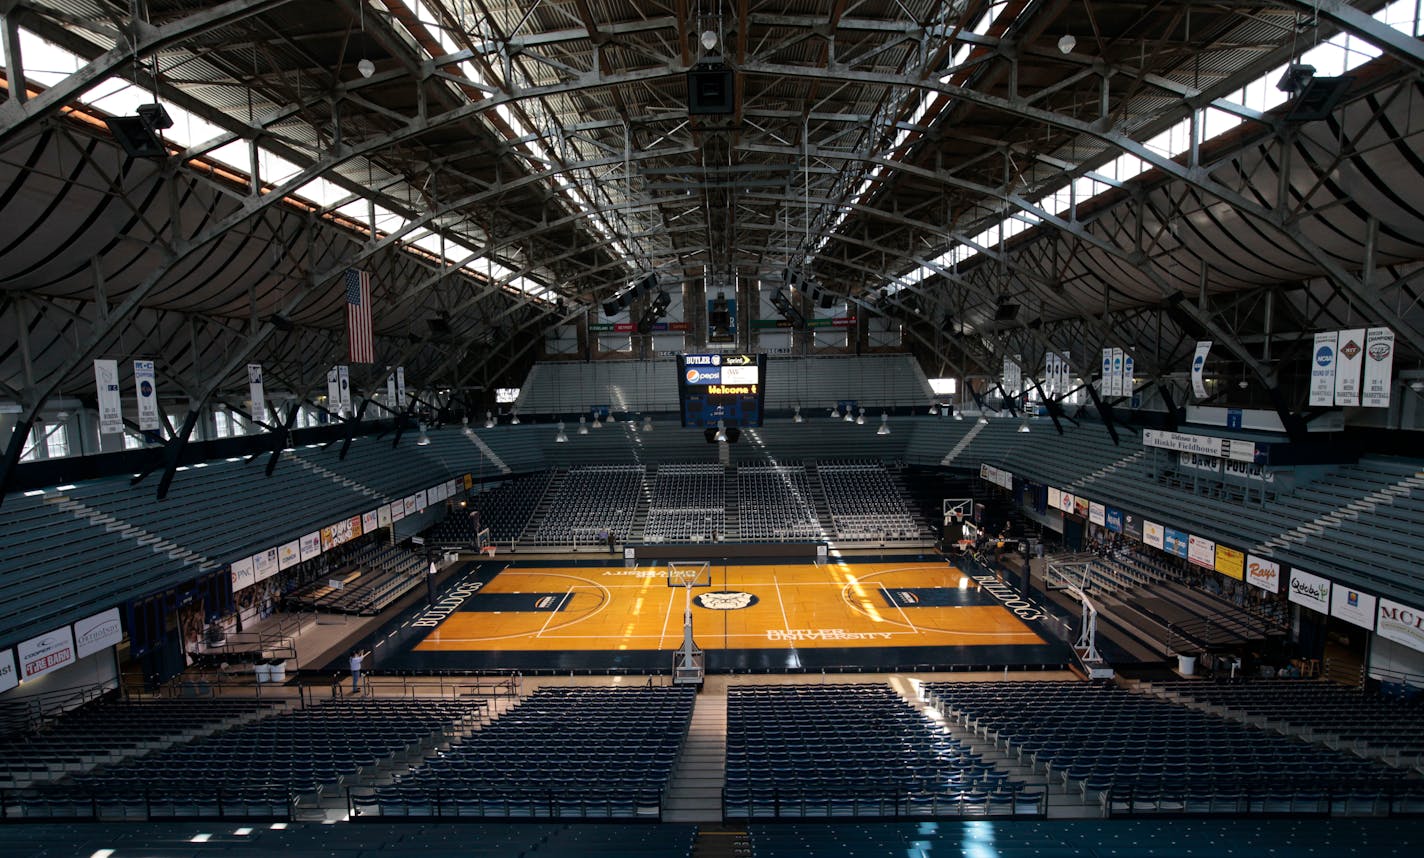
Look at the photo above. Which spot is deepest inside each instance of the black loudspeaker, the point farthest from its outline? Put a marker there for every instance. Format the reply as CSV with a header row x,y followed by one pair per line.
x,y
827,300
610,308
1006,313
711,90
136,136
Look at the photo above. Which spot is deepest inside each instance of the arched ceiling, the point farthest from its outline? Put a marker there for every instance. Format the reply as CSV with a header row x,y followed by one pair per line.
x,y
552,138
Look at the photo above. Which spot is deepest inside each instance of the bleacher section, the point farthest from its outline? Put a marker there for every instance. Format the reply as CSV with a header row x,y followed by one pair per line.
x,y
853,750
563,752
687,504
109,731
866,504
507,508
1144,755
775,504
591,501
258,768
1352,719
372,577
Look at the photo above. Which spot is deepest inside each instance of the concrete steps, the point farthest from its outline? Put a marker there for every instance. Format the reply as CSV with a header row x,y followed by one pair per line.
x,y
695,792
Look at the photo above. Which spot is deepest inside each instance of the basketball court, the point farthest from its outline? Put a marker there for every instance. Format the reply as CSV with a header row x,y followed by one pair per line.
x,y
840,614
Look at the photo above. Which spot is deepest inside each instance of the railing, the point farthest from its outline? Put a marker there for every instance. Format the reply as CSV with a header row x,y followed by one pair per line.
x,y
28,713
801,804
498,685
397,803
1324,799
265,802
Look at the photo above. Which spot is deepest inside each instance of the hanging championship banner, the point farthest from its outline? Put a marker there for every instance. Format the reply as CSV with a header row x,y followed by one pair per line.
x,y
147,395
391,390
1119,385
1127,384
343,377
106,382
1105,386
400,388
1198,365
1050,373
333,391
1379,367
1349,356
1322,370
254,392
1066,374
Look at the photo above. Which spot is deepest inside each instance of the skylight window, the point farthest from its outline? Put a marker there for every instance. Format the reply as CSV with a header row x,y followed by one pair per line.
x,y
1333,57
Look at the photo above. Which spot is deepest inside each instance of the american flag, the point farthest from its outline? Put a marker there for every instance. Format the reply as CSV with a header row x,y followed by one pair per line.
x,y
358,317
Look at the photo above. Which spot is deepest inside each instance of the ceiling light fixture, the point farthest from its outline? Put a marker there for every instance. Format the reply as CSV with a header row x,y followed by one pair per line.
x,y
721,435
583,425
366,67
489,419
647,422
424,439
796,416
860,418
934,409
709,39
884,424
1067,43
559,436
513,417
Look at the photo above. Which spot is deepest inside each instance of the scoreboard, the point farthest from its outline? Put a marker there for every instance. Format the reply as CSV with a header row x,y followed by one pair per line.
x,y
721,387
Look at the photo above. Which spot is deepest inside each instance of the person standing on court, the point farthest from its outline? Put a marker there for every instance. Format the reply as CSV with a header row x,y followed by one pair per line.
x,y
358,657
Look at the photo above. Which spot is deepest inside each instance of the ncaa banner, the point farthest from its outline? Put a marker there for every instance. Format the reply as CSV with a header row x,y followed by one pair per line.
x,y
1118,384
1322,370
1379,367
1400,623
333,391
1230,562
1199,367
1105,386
47,652
390,390
254,392
98,632
1201,552
244,574
1151,534
1349,357
400,388
144,384
1097,513
343,376
1309,590
9,677
1127,384
106,382
1050,373
1264,573
1352,606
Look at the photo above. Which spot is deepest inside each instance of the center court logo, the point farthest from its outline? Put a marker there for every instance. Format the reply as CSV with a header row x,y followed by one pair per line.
x,y
724,600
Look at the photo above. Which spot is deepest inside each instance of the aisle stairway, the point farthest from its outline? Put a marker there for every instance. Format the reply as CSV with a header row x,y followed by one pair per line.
x,y
695,792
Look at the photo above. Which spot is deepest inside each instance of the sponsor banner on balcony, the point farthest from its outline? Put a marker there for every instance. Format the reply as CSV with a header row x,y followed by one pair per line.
x,y
98,632
1230,562
289,555
1352,606
1201,551
244,574
40,655
1152,534
1264,573
1400,623
1097,513
1309,590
